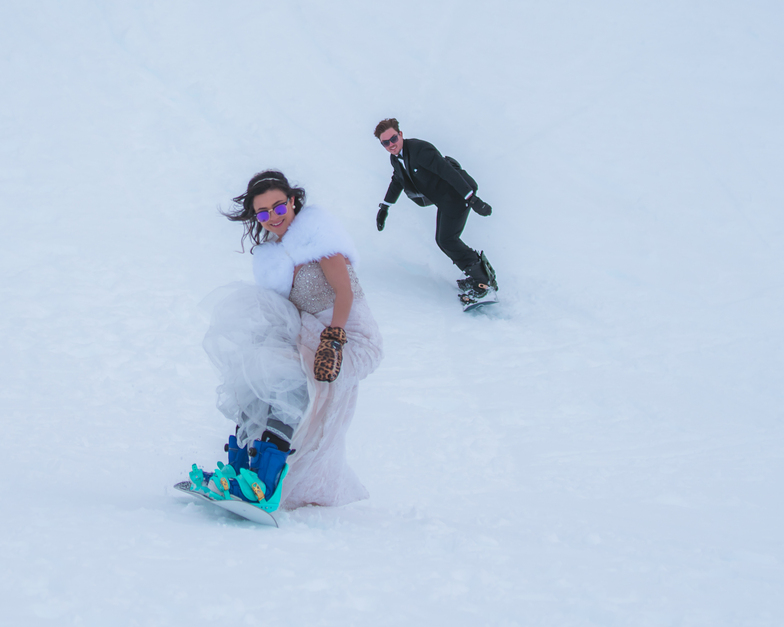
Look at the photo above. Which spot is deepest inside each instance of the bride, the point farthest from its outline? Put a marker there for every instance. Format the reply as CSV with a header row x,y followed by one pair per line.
x,y
290,352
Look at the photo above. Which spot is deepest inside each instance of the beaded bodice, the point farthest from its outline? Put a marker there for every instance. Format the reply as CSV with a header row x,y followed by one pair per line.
x,y
312,293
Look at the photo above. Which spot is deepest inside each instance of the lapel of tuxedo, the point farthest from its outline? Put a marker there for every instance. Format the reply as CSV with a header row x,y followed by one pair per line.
x,y
408,173
402,172
407,159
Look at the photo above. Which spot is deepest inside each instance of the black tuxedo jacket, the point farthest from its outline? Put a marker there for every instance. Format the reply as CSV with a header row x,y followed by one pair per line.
x,y
427,178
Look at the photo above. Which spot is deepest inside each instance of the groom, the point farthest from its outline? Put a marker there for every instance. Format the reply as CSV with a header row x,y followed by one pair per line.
x,y
431,179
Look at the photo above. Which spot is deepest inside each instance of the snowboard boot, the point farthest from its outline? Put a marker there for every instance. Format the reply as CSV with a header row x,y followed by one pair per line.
x,y
238,456
480,277
260,483
480,285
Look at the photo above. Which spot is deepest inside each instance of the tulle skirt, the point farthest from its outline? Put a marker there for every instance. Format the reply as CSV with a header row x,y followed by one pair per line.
x,y
264,350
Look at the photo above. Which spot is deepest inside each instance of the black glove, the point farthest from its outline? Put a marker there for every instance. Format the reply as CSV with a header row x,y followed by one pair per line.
x,y
381,216
480,206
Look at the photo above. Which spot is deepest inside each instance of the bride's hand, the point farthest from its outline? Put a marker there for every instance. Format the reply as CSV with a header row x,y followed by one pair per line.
x,y
329,355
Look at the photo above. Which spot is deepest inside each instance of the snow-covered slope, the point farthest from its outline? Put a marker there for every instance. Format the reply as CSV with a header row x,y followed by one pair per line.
x,y
602,449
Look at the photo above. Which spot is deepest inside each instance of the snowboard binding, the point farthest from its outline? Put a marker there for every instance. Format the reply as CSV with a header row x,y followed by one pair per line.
x,y
261,483
253,474
479,287
238,459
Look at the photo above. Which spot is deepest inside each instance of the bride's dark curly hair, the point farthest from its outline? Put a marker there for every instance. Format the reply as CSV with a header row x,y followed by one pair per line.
x,y
260,183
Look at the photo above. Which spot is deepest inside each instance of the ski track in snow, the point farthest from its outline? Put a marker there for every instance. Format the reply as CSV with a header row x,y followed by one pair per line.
x,y
602,448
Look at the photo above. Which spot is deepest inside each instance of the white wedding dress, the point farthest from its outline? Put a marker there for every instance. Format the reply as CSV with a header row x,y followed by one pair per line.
x,y
264,345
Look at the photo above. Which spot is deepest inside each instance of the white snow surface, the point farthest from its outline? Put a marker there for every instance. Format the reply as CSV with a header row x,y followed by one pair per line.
x,y
604,448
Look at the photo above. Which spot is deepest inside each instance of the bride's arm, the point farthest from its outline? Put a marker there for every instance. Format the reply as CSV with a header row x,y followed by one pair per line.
x,y
336,272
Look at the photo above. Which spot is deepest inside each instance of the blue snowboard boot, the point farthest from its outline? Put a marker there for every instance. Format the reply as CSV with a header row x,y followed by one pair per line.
x,y
238,456
238,459
261,482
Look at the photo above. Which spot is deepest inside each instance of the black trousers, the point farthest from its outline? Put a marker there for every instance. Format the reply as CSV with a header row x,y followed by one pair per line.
x,y
450,221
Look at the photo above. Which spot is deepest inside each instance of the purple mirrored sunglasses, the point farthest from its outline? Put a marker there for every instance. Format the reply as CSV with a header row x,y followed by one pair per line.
x,y
263,216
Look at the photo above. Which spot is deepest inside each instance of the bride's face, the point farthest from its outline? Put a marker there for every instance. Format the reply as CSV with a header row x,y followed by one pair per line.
x,y
269,206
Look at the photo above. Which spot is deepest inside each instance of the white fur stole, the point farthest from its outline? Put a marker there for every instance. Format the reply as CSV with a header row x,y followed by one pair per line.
x,y
313,234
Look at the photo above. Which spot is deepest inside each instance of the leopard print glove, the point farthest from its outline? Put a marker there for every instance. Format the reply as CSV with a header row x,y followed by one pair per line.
x,y
329,355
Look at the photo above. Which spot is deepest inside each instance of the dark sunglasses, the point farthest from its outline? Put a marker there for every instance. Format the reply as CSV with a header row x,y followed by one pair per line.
x,y
281,209
391,140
